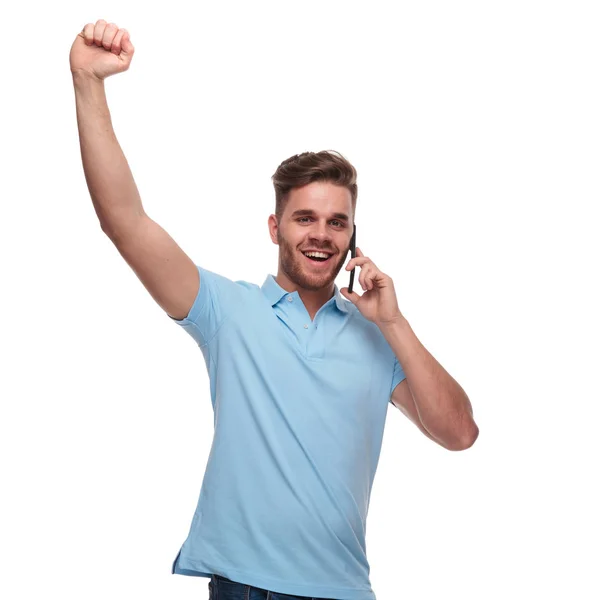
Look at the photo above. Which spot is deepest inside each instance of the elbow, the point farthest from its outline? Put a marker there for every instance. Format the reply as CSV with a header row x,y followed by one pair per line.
x,y
107,229
467,439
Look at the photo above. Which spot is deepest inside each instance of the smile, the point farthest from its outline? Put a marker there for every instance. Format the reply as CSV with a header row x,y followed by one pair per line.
x,y
318,262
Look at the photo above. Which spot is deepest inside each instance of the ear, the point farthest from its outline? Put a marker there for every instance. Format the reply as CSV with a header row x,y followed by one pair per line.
x,y
273,227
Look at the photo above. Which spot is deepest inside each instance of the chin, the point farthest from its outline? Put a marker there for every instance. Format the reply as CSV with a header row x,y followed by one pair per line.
x,y
314,281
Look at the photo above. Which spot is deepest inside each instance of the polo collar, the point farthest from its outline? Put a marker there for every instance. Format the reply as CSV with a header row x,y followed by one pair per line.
x,y
274,293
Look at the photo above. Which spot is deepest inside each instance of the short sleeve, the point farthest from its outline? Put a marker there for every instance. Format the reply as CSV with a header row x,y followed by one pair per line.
x,y
397,377
216,298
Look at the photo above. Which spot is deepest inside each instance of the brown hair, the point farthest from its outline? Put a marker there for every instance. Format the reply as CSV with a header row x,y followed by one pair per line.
x,y
302,169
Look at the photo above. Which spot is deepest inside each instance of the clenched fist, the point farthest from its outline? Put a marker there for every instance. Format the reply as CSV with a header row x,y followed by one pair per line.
x,y
101,50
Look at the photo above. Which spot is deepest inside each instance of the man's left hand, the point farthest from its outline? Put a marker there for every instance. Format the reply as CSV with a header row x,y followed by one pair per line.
x,y
378,303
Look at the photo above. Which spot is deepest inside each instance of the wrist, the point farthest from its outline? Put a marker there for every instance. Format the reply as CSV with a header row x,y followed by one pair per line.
x,y
82,78
399,322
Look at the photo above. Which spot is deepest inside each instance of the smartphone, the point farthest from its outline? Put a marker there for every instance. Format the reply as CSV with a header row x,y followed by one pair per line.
x,y
352,255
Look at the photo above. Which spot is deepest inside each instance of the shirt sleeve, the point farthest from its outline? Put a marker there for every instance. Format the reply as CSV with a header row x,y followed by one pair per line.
x,y
397,377
217,296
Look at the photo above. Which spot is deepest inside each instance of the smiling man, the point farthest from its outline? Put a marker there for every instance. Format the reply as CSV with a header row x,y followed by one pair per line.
x,y
301,373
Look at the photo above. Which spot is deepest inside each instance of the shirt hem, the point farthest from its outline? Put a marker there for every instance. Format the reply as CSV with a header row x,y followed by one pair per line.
x,y
189,567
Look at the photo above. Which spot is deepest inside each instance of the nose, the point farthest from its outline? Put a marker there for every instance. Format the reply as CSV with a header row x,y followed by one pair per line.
x,y
320,233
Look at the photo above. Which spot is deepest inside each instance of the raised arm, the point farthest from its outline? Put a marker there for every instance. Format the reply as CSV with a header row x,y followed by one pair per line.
x,y
165,270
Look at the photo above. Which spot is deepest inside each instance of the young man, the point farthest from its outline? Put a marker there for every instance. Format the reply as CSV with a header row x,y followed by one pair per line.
x,y
301,373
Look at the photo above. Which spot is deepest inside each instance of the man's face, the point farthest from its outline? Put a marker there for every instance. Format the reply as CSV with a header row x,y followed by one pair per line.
x,y
318,216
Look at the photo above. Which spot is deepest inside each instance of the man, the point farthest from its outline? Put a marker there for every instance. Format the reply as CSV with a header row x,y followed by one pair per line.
x,y
301,373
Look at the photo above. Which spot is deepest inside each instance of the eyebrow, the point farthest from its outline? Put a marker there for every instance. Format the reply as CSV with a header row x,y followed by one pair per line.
x,y
308,212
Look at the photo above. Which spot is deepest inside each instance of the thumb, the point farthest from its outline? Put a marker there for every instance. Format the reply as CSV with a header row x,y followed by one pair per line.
x,y
353,297
126,46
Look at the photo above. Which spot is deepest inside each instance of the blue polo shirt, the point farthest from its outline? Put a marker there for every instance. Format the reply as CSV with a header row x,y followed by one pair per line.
x,y
299,413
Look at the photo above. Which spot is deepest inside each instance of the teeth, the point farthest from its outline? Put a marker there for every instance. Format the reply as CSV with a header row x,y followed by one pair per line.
x,y
317,254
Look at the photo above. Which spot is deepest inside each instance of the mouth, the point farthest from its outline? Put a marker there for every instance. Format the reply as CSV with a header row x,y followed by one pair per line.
x,y
318,261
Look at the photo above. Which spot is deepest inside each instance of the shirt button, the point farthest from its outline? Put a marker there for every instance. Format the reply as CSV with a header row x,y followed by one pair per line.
x,y
290,298
305,326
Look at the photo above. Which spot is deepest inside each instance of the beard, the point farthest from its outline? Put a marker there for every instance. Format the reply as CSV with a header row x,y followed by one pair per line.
x,y
293,264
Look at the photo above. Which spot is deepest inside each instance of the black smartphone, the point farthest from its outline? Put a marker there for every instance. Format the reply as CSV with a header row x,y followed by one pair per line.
x,y
352,255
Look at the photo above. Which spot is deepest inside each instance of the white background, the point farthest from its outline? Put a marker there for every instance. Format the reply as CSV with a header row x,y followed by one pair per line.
x,y
474,127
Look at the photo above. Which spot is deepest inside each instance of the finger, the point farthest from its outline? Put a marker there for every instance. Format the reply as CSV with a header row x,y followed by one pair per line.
x,y
358,262
353,297
367,276
361,277
359,254
375,275
372,275
88,34
370,281
109,35
365,284
117,43
126,45
99,31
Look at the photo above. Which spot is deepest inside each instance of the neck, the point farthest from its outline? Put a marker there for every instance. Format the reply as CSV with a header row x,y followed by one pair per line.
x,y
312,299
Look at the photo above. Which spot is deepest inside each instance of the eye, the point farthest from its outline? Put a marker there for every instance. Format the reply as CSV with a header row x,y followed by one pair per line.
x,y
339,223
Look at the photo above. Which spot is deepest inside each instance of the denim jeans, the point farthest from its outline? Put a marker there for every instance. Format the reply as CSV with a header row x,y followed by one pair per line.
x,y
221,588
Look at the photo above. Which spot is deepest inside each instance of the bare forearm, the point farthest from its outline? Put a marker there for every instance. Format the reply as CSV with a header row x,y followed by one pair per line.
x,y
442,405
109,179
